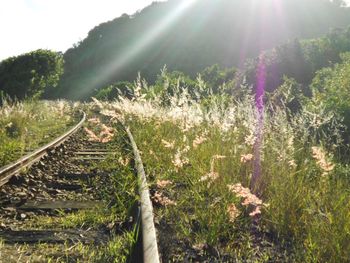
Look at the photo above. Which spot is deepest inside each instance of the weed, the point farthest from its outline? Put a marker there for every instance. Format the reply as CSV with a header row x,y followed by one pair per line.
x,y
302,209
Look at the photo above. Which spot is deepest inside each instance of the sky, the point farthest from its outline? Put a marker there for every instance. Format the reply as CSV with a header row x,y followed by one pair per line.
x,y
27,25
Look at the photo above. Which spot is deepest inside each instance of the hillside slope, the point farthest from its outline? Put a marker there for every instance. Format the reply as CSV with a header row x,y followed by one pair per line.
x,y
189,36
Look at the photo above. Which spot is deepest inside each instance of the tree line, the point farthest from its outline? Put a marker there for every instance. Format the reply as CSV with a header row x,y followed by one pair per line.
x,y
226,34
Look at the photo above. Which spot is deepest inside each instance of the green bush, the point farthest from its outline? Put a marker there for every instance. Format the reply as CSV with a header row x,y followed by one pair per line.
x,y
331,87
31,74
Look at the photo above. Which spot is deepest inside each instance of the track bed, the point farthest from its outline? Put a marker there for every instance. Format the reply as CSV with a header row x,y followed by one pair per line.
x,y
58,209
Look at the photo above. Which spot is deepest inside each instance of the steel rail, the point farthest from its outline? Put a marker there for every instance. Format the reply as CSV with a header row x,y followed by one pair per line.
x,y
149,238
9,170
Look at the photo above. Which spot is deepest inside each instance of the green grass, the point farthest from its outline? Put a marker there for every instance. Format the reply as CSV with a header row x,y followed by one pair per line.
x,y
119,193
305,216
28,125
197,153
117,189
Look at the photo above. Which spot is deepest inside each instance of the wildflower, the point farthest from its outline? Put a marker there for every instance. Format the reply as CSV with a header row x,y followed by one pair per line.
x,y
252,199
163,183
246,157
105,135
233,212
167,144
186,149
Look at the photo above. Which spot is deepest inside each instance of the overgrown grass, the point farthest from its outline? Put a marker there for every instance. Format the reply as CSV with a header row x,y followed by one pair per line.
x,y
115,184
196,158
27,125
119,194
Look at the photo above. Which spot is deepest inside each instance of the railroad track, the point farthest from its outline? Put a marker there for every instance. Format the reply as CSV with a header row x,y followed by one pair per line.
x,y
54,182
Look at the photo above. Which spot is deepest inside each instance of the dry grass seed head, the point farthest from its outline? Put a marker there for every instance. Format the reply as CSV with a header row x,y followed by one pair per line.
x,y
320,156
249,199
163,183
246,157
167,144
232,212
159,198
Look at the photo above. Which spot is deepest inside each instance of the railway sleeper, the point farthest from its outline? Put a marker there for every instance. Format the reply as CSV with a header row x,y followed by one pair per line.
x,y
58,205
65,186
79,176
59,236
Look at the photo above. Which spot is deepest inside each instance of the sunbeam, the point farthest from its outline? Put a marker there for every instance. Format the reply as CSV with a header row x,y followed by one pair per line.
x,y
145,40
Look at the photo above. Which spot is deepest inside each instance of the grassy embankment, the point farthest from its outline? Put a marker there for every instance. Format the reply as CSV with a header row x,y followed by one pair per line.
x,y
27,125
200,161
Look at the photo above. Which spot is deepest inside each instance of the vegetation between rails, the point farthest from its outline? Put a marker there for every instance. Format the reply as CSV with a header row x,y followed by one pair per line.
x,y
117,190
115,184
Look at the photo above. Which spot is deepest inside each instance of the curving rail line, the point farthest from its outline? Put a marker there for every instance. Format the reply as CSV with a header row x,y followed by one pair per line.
x,y
149,238
10,170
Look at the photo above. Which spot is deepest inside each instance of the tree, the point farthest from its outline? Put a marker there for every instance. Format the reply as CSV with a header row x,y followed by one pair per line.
x,y
31,74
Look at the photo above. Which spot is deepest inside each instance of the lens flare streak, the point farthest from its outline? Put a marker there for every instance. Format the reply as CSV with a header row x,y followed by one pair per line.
x,y
139,46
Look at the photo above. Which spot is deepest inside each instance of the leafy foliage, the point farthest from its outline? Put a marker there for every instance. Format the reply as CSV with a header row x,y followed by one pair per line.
x,y
121,88
31,74
214,80
331,87
299,59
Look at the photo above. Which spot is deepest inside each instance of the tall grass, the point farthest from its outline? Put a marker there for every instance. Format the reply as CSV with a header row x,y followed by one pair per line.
x,y
27,125
200,161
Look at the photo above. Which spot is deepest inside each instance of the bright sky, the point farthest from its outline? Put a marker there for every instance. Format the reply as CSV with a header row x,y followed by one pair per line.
x,y
27,25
